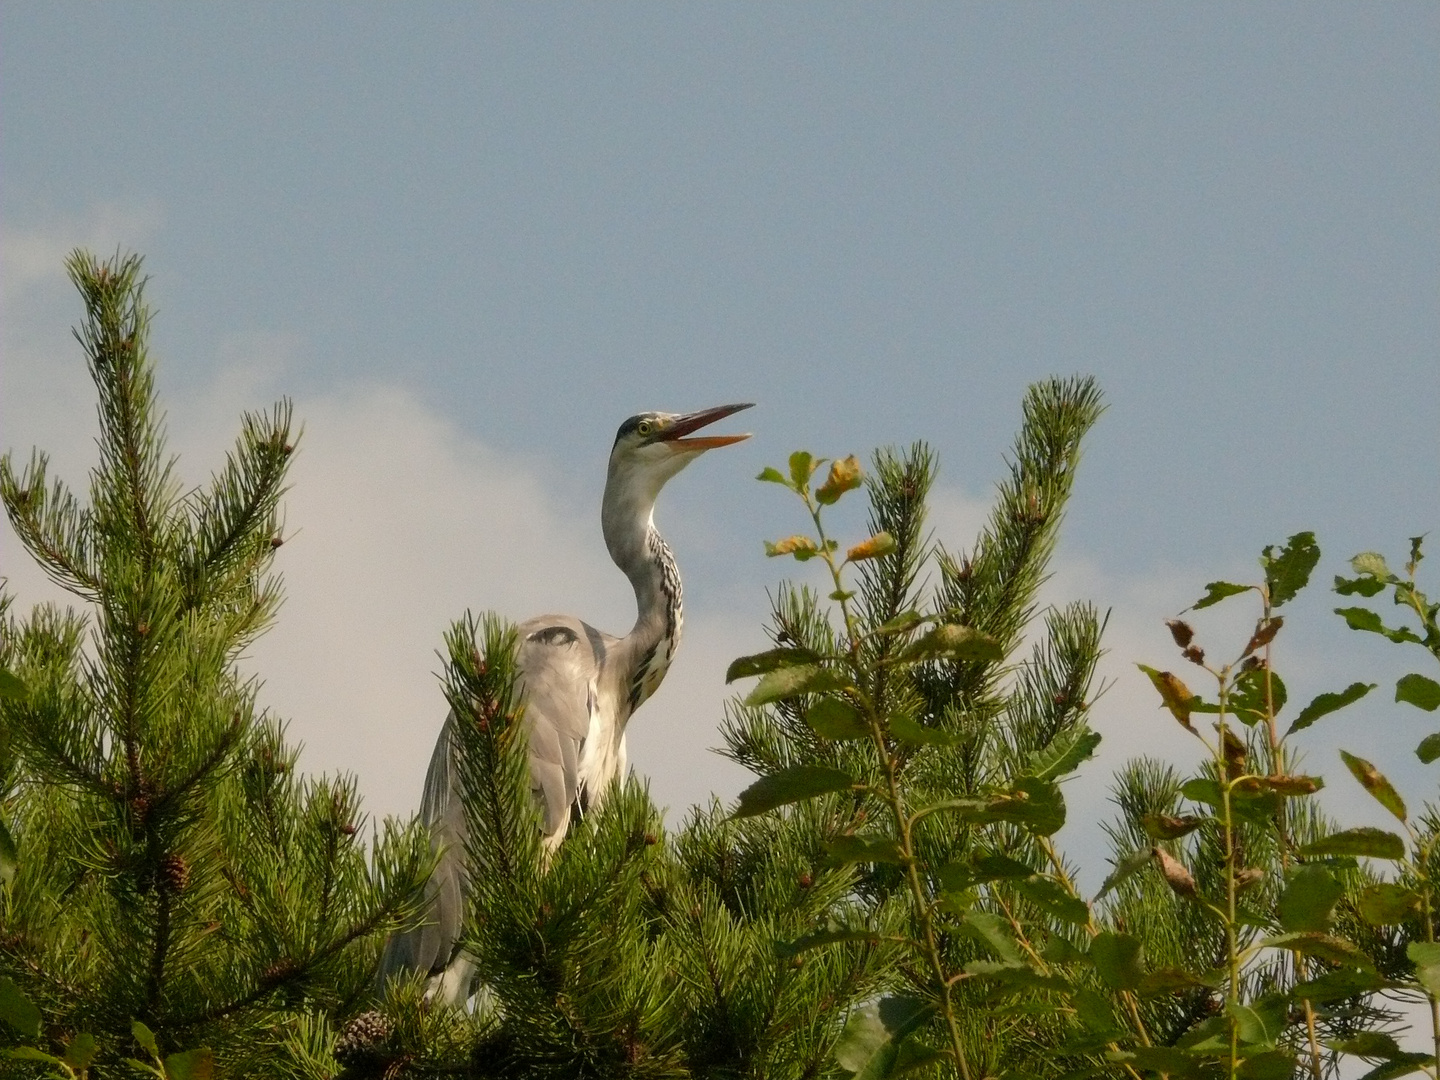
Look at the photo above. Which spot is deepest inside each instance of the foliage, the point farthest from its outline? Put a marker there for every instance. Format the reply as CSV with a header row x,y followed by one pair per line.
x,y
1275,940
887,898
171,892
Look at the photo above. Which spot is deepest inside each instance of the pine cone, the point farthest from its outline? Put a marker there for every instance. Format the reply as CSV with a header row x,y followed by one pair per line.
x,y
175,872
362,1036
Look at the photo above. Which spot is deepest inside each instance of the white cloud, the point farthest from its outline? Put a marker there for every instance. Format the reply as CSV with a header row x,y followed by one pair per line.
x,y
399,523
36,255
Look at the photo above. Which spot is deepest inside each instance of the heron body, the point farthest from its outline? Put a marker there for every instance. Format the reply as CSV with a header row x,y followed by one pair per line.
x,y
579,686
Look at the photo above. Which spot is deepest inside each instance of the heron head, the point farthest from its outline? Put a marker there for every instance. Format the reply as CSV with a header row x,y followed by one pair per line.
x,y
651,447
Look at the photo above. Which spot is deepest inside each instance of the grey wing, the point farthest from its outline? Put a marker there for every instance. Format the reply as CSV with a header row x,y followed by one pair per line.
x,y
560,662
432,945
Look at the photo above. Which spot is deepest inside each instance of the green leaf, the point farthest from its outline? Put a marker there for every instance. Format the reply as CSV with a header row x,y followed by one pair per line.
x,y
18,1011
1018,974
29,1053
1117,960
1387,903
81,1051
1429,748
1250,1026
1054,899
772,476
1059,951
1359,618
1425,955
1168,827
768,661
991,866
1326,946
1309,897
979,869
972,808
10,685
1268,1065
1365,840
145,1037
802,467
870,1045
915,1056
1202,789
1338,984
905,728
1404,1065
905,621
994,932
1124,867
835,718
951,641
1372,564
822,938
1370,1044
191,1065
9,856
787,682
1247,699
862,849
1063,755
1324,704
1419,691
1363,586
790,785
1217,591
1169,1060
1035,805
1287,571
1373,781
1095,1013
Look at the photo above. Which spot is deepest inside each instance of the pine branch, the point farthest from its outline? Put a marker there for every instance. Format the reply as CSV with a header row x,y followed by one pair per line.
x,y
242,502
491,754
993,588
133,485
53,527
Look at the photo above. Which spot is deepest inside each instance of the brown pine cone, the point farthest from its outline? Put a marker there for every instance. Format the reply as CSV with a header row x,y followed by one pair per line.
x,y
175,872
362,1036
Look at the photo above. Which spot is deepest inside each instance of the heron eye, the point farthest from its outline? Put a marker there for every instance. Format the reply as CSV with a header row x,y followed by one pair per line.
x,y
645,427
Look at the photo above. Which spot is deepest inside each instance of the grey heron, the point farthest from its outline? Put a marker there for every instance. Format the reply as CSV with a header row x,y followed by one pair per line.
x,y
579,685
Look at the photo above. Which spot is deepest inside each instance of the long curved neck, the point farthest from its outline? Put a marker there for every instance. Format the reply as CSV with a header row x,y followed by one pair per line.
x,y
643,656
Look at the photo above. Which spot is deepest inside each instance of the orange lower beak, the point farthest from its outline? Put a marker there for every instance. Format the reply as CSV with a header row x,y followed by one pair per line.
x,y
697,420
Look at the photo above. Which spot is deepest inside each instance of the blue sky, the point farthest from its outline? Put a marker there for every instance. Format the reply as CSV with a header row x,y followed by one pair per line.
x,y
469,240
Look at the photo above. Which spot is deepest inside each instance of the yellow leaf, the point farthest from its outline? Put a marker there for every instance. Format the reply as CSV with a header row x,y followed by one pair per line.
x,y
882,543
844,476
802,547
1175,695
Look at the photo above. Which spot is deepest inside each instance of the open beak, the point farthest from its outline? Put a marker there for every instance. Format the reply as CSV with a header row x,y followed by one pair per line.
x,y
675,433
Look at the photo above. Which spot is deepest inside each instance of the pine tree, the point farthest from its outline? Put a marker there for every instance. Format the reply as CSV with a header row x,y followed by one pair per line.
x,y
746,943
886,899
177,886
